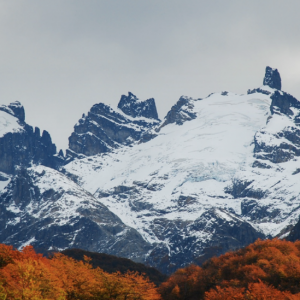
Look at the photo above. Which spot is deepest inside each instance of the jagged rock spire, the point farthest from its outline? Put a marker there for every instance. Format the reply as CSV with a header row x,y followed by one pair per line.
x,y
132,106
272,78
15,109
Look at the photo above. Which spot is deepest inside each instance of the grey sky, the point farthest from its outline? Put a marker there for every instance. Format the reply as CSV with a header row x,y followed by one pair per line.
x,y
58,58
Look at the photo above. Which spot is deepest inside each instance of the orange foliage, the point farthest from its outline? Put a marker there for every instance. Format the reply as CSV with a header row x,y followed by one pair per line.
x,y
256,291
27,275
187,283
264,270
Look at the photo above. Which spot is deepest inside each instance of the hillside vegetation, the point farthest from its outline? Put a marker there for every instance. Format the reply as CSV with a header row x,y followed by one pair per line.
x,y
111,264
27,275
264,270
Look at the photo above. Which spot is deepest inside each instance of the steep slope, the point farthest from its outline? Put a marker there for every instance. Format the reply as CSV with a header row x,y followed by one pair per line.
x,y
218,174
20,145
42,207
105,129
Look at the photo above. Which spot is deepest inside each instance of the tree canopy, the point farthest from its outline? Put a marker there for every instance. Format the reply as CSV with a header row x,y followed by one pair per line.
x,y
264,270
27,275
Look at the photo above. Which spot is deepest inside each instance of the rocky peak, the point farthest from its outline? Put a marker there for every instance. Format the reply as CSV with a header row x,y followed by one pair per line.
x,y
180,112
24,146
132,106
284,103
15,109
272,78
104,129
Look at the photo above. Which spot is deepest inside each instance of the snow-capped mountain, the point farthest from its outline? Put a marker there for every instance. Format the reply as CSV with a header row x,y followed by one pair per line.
x,y
216,174
41,206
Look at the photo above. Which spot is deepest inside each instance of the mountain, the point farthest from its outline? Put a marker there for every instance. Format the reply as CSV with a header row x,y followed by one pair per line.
x,y
41,206
104,129
216,174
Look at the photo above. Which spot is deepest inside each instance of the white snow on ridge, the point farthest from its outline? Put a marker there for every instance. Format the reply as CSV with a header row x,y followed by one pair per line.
x,y
8,123
64,206
197,159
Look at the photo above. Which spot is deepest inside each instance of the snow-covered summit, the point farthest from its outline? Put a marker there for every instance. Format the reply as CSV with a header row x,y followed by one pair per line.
x,y
8,121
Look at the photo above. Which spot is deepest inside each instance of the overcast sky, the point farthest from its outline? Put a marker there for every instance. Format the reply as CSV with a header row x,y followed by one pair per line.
x,y
59,57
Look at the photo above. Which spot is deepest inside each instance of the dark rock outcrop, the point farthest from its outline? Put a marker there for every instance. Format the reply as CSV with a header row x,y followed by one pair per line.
x,y
288,145
283,102
272,78
283,145
258,90
181,112
132,106
25,146
15,109
229,233
294,234
241,189
104,129
283,152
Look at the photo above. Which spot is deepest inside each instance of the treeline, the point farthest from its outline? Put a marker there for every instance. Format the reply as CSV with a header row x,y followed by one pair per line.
x,y
27,275
264,270
112,264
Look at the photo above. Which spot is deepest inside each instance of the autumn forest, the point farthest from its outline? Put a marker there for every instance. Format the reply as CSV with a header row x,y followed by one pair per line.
x,y
264,270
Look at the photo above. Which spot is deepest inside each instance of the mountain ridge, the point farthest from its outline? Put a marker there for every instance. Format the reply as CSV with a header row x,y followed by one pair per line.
x,y
211,177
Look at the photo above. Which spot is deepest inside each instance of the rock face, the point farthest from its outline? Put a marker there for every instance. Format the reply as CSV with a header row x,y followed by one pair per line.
x,y
184,245
279,140
105,129
285,104
132,106
272,78
15,109
180,112
294,234
20,145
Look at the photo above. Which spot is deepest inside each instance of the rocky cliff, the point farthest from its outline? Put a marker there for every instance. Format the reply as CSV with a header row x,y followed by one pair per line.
x,y
105,129
21,145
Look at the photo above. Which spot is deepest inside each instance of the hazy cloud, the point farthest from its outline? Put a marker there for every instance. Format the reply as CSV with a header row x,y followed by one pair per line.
x,y
59,58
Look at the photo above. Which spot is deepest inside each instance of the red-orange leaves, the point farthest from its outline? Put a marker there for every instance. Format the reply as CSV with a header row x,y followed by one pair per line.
x,y
30,276
256,291
27,275
225,293
264,270
185,283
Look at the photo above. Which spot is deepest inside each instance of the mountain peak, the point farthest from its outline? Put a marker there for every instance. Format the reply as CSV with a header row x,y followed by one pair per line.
x,y
132,106
15,109
272,78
